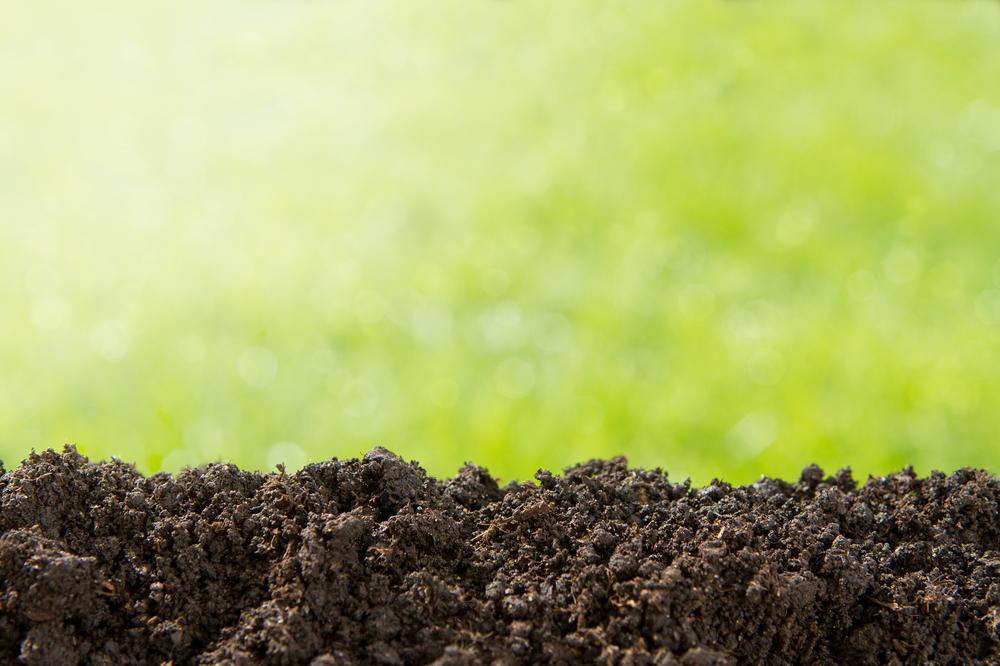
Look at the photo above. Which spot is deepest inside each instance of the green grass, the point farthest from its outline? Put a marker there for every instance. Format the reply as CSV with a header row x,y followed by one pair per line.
x,y
723,238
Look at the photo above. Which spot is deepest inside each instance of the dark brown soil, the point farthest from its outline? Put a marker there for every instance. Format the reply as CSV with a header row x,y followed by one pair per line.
x,y
373,562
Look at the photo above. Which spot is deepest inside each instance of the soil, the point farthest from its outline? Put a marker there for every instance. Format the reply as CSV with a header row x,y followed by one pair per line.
x,y
371,561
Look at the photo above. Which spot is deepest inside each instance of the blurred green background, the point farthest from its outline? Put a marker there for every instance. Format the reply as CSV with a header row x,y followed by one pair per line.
x,y
723,238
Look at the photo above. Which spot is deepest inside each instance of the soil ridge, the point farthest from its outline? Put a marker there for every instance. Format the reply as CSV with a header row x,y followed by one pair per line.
x,y
371,561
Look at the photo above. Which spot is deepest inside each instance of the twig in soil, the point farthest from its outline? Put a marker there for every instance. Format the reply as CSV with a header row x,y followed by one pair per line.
x,y
527,513
893,606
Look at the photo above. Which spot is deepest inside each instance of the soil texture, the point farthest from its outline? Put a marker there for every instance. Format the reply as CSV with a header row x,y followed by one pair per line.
x,y
371,561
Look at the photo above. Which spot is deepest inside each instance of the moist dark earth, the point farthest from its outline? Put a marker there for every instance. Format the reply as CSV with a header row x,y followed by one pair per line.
x,y
372,561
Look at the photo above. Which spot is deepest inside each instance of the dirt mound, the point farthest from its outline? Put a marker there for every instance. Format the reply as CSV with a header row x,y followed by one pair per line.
x,y
373,562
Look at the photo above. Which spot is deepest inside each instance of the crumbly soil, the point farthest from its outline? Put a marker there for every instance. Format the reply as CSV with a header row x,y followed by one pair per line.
x,y
373,562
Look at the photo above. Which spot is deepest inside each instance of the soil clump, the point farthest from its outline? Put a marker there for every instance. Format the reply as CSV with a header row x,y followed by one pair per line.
x,y
371,561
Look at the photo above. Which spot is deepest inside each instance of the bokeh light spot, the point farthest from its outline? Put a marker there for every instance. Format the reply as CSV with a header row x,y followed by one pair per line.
x,y
979,360
42,279
753,320
569,22
532,173
288,454
358,398
178,459
589,414
370,306
980,122
553,333
444,392
432,323
109,341
17,404
323,360
697,302
257,366
191,348
987,306
204,437
349,271
947,280
515,378
876,114
796,224
752,434
148,207
862,285
49,313
766,367
502,326
338,380
495,282
132,319
901,265
941,153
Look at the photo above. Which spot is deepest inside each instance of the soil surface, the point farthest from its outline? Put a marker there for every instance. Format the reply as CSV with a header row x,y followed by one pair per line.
x,y
373,562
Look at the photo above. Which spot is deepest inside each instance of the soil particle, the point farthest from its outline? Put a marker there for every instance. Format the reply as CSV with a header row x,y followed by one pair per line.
x,y
364,562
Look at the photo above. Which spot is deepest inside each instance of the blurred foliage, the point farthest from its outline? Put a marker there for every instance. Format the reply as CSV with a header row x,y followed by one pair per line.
x,y
723,238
